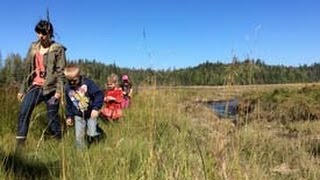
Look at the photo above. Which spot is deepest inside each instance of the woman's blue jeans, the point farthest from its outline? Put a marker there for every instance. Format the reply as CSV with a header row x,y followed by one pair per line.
x,y
32,98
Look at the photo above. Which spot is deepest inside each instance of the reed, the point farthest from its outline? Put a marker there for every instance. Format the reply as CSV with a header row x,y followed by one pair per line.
x,y
169,133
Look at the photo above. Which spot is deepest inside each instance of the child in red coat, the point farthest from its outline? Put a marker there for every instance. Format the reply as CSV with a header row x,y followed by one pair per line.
x,y
112,99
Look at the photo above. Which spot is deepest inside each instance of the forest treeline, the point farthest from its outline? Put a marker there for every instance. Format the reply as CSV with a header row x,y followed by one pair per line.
x,y
248,71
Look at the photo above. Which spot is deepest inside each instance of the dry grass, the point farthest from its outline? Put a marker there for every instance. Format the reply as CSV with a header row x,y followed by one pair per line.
x,y
168,134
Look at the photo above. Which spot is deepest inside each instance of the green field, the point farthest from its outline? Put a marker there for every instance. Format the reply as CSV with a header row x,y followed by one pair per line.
x,y
169,133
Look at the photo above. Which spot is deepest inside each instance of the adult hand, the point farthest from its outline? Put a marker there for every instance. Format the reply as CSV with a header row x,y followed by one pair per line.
x,y
94,114
53,100
69,122
20,96
57,95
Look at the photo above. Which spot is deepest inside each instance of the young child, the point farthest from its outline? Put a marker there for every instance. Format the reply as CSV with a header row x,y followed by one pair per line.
x,y
126,87
112,99
84,99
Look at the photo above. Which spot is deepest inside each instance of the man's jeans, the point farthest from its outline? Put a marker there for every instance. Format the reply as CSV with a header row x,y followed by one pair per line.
x,y
33,97
81,125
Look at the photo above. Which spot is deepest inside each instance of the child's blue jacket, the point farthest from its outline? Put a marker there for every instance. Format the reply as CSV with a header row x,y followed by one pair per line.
x,y
81,100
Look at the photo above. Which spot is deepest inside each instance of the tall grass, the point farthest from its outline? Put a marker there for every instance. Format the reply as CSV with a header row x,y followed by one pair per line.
x,y
165,134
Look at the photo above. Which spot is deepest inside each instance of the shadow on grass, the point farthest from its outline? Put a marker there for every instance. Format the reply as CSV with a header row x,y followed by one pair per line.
x,y
23,168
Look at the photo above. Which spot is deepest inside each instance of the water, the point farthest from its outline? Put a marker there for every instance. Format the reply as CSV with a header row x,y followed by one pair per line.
x,y
225,108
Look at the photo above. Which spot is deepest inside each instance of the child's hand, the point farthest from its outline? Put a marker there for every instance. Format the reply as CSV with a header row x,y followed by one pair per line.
x,y
69,122
110,98
94,114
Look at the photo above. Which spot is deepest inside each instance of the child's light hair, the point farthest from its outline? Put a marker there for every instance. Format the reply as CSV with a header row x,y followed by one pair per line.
x,y
113,78
71,71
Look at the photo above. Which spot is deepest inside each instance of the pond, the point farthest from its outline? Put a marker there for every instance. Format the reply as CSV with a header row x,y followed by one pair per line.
x,y
225,108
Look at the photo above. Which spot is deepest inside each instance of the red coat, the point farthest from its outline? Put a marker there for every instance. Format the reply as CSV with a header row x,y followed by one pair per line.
x,y
112,104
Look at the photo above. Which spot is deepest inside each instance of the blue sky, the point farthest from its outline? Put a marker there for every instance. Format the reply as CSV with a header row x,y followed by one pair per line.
x,y
163,34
